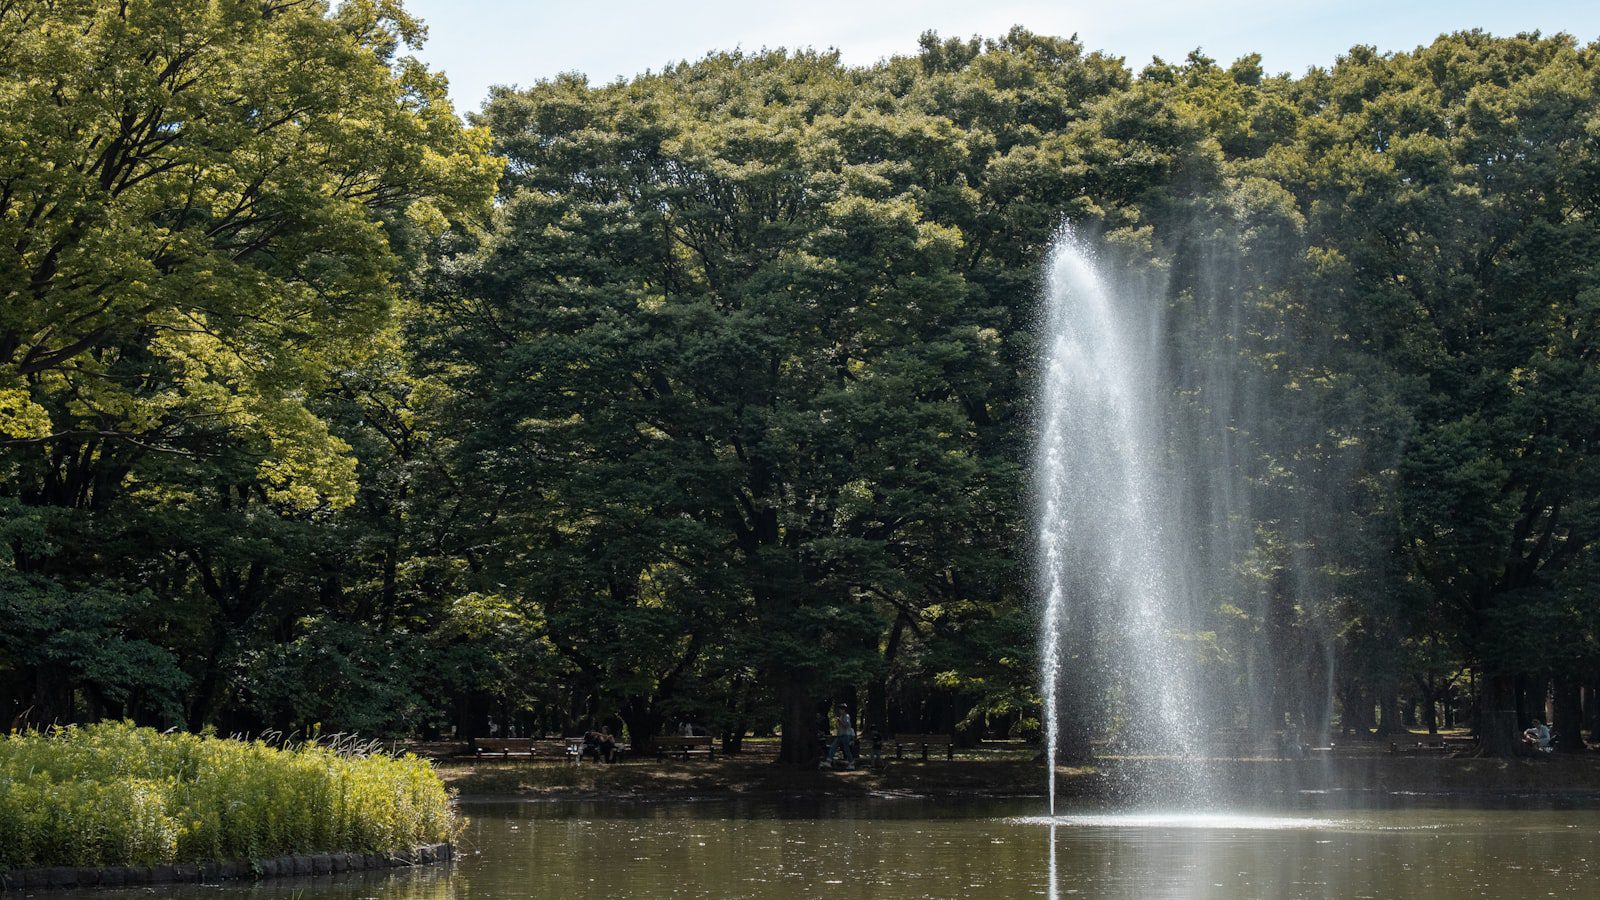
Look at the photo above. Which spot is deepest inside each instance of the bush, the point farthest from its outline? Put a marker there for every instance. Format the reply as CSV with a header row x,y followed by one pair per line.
x,y
115,794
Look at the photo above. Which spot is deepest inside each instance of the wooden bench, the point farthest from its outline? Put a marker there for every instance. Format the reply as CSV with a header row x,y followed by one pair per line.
x,y
685,746
901,741
504,747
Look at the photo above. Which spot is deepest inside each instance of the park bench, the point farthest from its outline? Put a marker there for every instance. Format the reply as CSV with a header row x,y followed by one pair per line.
x,y
503,747
685,746
901,741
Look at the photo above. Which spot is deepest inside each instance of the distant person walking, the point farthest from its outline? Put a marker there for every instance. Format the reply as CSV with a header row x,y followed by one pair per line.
x,y
844,738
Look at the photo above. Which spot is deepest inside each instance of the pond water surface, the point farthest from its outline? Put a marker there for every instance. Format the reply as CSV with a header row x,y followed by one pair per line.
x,y
1316,846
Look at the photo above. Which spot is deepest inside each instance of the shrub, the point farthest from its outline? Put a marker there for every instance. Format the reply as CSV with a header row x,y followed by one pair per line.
x,y
116,794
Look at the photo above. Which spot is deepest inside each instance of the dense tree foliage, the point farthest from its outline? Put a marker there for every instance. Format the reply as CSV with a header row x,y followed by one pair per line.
x,y
209,210
721,410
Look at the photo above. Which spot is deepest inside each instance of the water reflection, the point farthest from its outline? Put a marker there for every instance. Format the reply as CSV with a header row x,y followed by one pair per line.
x,y
1055,887
1213,821
899,849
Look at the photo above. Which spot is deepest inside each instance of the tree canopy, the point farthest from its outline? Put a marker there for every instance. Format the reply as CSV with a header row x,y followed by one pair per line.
x,y
706,395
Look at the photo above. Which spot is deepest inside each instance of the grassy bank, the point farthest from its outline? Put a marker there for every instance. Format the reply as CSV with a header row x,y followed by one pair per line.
x,y
114,794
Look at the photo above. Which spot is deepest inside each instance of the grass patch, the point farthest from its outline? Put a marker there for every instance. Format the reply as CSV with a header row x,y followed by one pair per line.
x,y
114,794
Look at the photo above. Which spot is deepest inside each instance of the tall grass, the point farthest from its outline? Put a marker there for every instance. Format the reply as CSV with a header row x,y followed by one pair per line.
x,y
115,794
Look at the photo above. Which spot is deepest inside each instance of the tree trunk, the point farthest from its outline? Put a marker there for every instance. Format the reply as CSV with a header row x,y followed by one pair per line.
x,y
878,691
1568,724
733,737
1522,702
1497,723
52,698
1389,717
799,745
208,687
733,734
1258,685
1074,737
644,723
1591,708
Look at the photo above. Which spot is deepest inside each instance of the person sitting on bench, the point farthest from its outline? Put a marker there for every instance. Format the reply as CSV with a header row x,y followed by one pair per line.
x,y
600,744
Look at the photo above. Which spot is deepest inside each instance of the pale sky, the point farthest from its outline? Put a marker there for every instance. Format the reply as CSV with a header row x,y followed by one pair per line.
x,y
483,42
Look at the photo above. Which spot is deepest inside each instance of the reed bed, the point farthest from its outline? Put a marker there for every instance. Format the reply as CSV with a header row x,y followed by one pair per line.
x,y
115,794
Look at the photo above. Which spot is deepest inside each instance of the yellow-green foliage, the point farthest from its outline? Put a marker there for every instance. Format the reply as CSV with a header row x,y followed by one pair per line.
x,y
115,794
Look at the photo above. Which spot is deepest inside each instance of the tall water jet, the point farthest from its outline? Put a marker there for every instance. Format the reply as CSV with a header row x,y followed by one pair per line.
x,y
1112,545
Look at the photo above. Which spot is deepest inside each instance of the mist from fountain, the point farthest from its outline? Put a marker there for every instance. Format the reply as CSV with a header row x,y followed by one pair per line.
x,y
1112,544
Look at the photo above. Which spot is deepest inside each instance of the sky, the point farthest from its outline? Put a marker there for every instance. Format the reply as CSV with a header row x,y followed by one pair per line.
x,y
479,43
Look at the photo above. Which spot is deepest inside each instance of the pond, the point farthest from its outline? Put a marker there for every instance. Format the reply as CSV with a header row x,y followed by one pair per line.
x,y
1318,846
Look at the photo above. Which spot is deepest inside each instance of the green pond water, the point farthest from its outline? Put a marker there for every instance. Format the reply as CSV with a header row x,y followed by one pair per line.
x,y
1312,846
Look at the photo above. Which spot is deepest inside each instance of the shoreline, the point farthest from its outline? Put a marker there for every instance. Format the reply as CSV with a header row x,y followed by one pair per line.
x,y
1106,780
64,877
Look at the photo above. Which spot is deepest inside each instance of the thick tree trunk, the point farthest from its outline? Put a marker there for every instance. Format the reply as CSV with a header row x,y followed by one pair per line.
x,y
472,715
644,723
878,691
733,737
1523,703
208,687
1355,713
52,699
1497,721
1568,724
1389,715
799,745
1317,699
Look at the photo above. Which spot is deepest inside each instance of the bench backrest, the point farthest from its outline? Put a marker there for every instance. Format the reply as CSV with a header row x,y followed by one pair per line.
x,y
680,741
922,739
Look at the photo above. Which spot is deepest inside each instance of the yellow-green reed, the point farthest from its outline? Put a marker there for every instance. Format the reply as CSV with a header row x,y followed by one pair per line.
x,y
116,794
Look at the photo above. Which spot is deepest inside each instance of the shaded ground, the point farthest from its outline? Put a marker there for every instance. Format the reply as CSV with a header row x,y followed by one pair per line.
x,y
676,779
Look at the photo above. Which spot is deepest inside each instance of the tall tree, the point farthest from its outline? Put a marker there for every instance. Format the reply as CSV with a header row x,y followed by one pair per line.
x,y
206,209
1452,194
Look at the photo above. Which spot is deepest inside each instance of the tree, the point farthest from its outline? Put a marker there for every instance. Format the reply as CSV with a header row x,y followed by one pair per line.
x,y
1451,194
206,211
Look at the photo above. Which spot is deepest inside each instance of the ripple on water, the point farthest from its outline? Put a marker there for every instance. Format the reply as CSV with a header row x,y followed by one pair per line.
x,y
1208,821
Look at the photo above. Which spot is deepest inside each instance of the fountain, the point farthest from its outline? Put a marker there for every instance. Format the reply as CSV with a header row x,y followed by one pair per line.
x,y
1112,541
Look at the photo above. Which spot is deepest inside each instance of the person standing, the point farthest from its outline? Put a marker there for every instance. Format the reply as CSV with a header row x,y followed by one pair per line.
x,y
844,738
